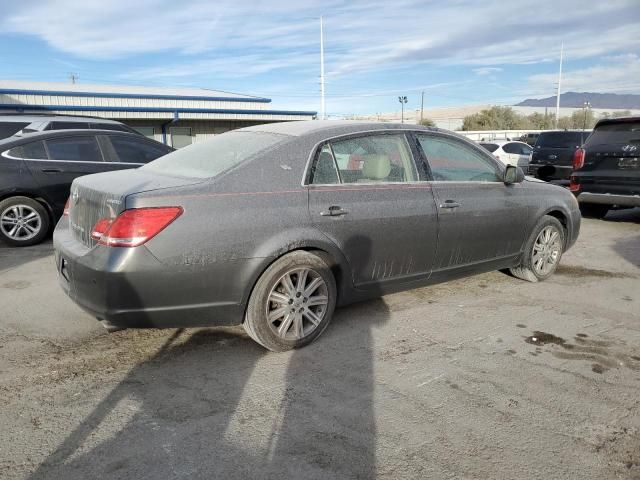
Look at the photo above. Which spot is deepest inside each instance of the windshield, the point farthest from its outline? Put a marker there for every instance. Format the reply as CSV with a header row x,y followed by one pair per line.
x,y
212,157
561,139
623,132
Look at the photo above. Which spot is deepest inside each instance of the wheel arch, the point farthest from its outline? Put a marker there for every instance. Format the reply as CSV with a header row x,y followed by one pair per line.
x,y
563,218
34,196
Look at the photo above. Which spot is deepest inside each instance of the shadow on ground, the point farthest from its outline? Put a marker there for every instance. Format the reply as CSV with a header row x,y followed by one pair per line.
x,y
12,257
200,409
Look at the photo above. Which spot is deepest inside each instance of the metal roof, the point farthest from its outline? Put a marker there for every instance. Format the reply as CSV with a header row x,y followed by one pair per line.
x,y
122,91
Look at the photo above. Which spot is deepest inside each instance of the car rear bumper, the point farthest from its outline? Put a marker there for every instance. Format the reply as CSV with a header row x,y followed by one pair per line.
x,y
609,199
131,288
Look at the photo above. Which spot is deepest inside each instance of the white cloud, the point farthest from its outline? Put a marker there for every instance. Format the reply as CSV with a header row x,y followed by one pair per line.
x,y
482,71
618,74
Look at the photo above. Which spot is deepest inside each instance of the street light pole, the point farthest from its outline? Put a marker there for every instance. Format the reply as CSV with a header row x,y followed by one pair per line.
x,y
587,106
322,103
402,101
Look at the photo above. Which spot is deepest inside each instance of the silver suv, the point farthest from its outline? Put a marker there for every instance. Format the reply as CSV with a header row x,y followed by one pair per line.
x,y
16,124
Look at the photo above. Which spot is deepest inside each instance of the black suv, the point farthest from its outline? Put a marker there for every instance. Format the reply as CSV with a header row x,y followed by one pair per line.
x,y
36,171
16,123
552,156
607,169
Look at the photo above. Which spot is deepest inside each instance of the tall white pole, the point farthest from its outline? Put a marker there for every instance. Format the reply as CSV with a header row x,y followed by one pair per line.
x,y
559,83
322,105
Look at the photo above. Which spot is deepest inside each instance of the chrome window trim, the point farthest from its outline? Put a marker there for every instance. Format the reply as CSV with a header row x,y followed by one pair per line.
x,y
6,155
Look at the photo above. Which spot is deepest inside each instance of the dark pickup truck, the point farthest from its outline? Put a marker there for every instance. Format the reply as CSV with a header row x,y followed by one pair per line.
x,y
552,156
607,169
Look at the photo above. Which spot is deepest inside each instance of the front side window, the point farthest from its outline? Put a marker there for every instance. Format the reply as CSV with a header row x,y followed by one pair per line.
x,y
8,129
366,159
133,151
490,147
77,149
67,125
452,161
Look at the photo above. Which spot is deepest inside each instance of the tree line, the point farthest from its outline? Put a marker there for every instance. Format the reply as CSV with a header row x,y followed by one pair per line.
x,y
505,118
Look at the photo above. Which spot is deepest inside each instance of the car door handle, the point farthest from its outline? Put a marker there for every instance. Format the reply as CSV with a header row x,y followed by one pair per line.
x,y
334,211
449,204
51,170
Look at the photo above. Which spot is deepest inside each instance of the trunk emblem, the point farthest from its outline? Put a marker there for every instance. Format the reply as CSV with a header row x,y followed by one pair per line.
x,y
552,157
75,196
629,148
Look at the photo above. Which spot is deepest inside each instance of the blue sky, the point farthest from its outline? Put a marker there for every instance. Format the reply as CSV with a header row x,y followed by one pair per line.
x,y
458,52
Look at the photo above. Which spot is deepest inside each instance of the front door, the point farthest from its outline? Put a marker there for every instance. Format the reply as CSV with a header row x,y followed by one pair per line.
x,y
364,195
480,219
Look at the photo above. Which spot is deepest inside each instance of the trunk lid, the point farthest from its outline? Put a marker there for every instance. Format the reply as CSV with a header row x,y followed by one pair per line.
x,y
104,196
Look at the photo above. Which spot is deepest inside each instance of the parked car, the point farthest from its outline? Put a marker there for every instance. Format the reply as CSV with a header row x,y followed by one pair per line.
x,y
12,124
36,171
261,226
509,152
529,138
607,168
552,156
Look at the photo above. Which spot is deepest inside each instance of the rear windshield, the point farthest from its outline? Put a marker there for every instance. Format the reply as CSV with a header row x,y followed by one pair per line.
x,y
561,139
491,147
212,157
623,132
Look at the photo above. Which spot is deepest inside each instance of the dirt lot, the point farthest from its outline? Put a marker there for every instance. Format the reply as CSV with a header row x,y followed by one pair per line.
x,y
487,377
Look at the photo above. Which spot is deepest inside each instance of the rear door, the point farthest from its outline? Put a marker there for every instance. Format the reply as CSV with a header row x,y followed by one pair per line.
x,y
67,158
480,219
365,194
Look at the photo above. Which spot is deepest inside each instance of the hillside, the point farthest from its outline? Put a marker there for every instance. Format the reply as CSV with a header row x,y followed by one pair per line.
x,y
577,99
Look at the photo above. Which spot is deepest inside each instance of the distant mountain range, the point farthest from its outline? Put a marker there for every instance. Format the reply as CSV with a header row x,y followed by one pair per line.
x,y
577,99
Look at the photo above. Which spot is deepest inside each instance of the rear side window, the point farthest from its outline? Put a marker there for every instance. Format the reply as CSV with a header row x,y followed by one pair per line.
x,y
490,147
212,157
11,128
616,133
561,139
130,150
67,125
451,160
31,150
77,149
366,159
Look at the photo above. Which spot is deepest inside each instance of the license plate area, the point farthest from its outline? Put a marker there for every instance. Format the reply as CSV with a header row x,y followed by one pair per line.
x,y
629,163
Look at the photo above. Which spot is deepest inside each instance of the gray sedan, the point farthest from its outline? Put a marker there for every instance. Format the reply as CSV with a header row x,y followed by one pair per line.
x,y
272,226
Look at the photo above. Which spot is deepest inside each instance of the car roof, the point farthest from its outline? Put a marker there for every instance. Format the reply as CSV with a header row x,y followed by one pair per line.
x,y
35,117
500,143
31,136
307,127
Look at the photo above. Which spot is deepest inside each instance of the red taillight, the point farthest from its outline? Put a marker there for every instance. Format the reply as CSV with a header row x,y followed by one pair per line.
x,y
65,212
578,159
574,186
134,227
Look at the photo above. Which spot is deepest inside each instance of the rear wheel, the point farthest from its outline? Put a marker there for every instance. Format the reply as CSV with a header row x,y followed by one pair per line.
x,y
292,302
542,252
23,221
593,210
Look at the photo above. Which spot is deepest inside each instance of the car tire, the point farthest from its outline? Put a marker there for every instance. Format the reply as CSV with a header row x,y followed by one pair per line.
x,y
542,252
292,302
23,221
594,210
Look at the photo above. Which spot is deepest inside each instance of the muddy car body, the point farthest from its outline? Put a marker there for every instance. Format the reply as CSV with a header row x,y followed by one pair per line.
x,y
274,225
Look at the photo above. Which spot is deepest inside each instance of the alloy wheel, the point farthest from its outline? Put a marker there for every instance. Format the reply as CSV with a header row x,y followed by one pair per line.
x,y
297,304
546,250
20,222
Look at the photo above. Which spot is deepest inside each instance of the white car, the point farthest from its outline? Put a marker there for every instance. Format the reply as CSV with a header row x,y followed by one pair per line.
x,y
509,152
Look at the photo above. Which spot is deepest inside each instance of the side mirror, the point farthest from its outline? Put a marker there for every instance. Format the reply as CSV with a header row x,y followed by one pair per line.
x,y
513,174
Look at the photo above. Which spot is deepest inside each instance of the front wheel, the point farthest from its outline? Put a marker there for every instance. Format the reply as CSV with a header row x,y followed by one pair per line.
x,y
542,251
292,302
593,210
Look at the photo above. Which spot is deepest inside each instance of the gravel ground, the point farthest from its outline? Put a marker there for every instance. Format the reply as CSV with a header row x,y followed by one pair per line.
x,y
487,377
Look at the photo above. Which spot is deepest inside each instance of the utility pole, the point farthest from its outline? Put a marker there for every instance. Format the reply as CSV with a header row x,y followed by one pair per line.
x,y
73,77
322,104
402,101
559,83
422,108
587,106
